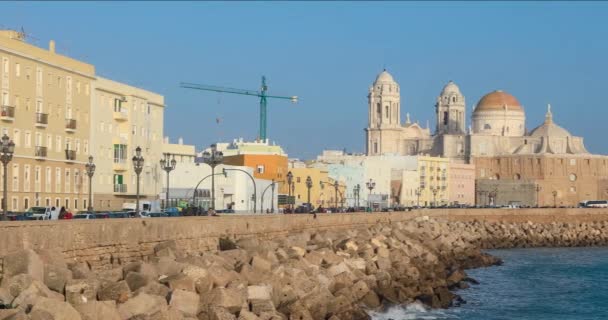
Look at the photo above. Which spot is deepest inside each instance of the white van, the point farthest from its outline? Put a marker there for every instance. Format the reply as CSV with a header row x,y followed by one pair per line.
x,y
43,213
596,204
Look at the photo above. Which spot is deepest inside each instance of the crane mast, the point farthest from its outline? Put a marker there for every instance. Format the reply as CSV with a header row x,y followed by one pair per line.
x,y
262,94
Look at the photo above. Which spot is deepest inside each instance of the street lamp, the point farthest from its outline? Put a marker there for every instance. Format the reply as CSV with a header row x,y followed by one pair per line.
x,y
7,149
308,186
289,190
90,167
418,193
213,159
168,166
554,198
138,165
336,185
370,185
537,198
357,190
434,190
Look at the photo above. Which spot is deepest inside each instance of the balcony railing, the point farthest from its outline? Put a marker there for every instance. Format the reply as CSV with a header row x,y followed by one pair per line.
x,y
121,188
7,113
70,155
121,115
40,152
70,125
42,119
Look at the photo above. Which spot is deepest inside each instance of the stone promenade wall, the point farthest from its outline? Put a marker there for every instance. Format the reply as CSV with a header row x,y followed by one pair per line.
x,y
104,243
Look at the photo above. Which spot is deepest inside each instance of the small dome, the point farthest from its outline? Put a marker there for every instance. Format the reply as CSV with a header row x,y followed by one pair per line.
x,y
549,128
498,101
450,88
384,77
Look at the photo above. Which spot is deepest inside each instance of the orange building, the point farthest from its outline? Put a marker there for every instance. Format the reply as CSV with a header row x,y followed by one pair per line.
x,y
268,161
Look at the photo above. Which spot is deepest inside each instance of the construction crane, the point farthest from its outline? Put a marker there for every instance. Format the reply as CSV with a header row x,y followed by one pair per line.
x,y
262,94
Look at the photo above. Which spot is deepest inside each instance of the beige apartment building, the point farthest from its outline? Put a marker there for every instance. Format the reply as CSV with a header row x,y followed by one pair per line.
x,y
125,117
45,101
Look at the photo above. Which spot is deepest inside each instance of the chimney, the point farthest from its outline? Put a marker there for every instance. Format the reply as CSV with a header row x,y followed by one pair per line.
x,y
52,46
180,140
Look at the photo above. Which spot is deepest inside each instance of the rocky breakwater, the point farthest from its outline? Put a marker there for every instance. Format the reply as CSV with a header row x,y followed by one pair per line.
x,y
319,275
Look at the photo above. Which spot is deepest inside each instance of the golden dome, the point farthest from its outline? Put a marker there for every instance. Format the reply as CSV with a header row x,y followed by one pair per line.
x,y
498,101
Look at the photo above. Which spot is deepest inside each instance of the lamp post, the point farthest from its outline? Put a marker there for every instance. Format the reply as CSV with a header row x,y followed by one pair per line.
x,y
90,168
7,149
289,190
554,198
537,197
168,166
434,190
418,192
138,165
308,186
357,190
370,185
336,185
213,159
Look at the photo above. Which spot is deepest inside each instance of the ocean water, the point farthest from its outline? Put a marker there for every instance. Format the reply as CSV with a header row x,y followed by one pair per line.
x,y
535,284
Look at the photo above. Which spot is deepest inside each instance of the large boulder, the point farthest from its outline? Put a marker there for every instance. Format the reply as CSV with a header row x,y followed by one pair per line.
x,y
260,299
98,310
56,276
136,280
154,288
117,291
185,301
33,292
23,262
16,284
79,291
50,309
229,298
143,306
179,281
80,270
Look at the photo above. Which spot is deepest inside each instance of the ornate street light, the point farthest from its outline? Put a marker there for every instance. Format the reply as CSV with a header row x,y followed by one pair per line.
x,y
357,190
554,198
90,168
418,193
213,159
370,185
7,149
168,166
308,186
434,190
289,189
336,185
138,165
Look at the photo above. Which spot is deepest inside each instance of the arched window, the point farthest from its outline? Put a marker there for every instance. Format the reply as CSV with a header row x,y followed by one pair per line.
x,y
487,126
497,176
453,99
386,109
517,176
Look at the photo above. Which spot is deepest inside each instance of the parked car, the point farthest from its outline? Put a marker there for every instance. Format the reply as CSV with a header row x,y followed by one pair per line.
x,y
119,214
225,211
85,215
102,215
155,215
41,213
173,212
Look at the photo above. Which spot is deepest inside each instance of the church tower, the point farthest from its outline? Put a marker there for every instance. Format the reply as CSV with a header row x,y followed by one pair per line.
x,y
384,111
450,109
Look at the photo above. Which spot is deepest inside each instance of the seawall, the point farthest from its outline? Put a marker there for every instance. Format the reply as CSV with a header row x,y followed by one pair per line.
x,y
110,242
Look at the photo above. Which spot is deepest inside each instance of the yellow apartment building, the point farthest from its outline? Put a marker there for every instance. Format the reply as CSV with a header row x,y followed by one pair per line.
x,y
434,176
45,101
125,117
322,192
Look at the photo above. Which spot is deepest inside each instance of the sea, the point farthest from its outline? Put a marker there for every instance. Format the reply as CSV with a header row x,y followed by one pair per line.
x,y
535,284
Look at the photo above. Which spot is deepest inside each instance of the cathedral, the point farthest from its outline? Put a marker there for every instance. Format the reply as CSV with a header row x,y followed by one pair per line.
x,y
498,127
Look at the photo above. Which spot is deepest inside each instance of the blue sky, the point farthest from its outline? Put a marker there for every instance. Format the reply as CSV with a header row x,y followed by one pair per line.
x,y
329,53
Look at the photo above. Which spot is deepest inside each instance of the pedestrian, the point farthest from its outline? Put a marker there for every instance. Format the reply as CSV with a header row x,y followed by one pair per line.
x,y
62,213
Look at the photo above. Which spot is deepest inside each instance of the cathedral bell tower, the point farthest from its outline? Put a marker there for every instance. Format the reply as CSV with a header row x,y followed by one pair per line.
x,y
450,109
384,110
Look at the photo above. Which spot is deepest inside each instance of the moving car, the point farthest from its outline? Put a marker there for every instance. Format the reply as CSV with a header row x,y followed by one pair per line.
x,y
86,215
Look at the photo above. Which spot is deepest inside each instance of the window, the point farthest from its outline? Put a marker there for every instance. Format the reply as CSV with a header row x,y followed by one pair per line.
x,y
375,147
49,141
5,65
26,178
37,174
58,143
59,81
117,105
5,100
134,131
487,126
445,118
28,139
17,70
298,179
15,177
86,147
120,153
57,181
84,204
26,203
86,91
67,203
149,109
77,145
78,87
38,139
67,180
47,180
572,177
260,169
76,204
386,111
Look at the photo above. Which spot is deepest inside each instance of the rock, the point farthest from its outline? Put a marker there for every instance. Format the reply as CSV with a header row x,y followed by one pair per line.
x,y
79,291
143,306
98,310
33,292
226,244
111,275
296,252
154,288
168,267
230,299
170,244
16,284
13,314
246,315
219,313
80,270
185,301
23,262
50,309
260,299
179,281
55,277
195,272
248,243
136,280
261,264
117,291
221,277
360,290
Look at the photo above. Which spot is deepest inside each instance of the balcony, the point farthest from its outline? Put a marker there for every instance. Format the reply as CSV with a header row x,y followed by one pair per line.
x,y
40,152
7,113
70,125
120,188
119,164
70,155
122,115
42,120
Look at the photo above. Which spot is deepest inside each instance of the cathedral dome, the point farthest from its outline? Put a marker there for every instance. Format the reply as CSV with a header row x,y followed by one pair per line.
x,y
384,77
497,101
549,128
450,88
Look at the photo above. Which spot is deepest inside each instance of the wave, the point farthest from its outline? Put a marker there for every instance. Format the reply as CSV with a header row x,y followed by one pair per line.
x,y
413,311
